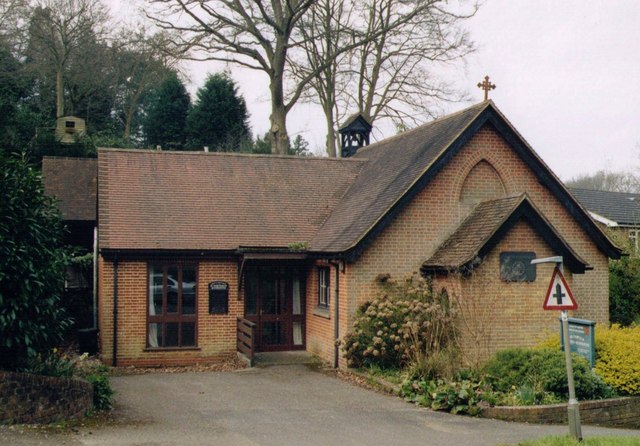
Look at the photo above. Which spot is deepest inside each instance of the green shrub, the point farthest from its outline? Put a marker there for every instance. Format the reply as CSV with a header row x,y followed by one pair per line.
x,y
32,265
55,363
52,363
525,395
102,391
97,374
543,369
406,323
618,358
451,396
624,290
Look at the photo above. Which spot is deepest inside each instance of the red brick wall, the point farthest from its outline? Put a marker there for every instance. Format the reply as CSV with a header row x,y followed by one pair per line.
x,y
320,324
438,210
216,334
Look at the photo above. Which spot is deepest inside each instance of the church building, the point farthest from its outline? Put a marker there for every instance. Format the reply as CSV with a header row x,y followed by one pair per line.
x,y
198,251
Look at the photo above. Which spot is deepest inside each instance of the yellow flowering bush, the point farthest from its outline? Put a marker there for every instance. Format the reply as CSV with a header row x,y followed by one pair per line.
x,y
618,358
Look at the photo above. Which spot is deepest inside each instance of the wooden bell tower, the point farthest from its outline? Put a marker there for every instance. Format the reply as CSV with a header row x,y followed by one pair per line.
x,y
354,134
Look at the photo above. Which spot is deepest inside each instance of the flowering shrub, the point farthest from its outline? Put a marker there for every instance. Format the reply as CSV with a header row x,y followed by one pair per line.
x,y
406,322
618,358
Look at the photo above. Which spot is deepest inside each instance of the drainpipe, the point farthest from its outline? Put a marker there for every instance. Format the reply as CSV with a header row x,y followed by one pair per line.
x,y
115,312
336,313
95,277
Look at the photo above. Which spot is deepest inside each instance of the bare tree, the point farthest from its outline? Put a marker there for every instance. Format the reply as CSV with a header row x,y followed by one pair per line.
x,y
13,17
392,75
252,34
608,181
58,30
260,35
325,30
142,63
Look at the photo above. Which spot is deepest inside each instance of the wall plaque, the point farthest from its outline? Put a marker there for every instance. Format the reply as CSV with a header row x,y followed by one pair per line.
x,y
517,267
218,297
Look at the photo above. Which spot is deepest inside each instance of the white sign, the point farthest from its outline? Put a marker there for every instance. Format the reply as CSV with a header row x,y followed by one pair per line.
x,y
559,295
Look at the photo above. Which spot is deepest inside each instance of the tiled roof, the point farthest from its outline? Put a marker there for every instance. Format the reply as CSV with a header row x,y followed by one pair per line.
x,y
73,182
464,245
486,225
620,207
215,201
211,201
394,165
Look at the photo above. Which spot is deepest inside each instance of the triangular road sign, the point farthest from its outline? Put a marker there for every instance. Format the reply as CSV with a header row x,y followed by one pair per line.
x,y
559,295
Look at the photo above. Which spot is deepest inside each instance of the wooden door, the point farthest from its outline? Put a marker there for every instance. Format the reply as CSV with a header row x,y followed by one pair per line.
x,y
274,301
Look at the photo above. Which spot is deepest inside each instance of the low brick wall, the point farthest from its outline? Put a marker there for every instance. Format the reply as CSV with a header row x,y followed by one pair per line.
x,y
27,398
615,412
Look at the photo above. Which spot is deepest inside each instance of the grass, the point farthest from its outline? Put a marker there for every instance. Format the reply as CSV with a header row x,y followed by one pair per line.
x,y
595,441
393,376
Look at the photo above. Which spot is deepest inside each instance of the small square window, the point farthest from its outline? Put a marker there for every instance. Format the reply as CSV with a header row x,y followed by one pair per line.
x,y
323,287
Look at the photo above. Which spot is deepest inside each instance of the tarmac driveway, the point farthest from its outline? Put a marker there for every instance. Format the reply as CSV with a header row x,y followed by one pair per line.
x,y
282,405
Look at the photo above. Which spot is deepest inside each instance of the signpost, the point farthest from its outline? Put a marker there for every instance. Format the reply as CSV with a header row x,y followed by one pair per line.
x,y
581,339
559,297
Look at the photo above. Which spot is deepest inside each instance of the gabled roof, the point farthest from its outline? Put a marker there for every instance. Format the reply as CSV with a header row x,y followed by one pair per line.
x,y
357,121
152,200
620,207
400,166
72,181
486,226
155,200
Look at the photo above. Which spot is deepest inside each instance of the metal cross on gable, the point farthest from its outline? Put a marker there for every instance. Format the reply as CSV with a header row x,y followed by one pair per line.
x,y
486,85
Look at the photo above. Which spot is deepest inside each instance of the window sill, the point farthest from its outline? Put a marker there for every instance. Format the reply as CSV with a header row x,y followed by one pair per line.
x,y
322,312
171,349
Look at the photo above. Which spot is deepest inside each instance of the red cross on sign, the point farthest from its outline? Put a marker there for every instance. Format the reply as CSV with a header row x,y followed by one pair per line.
x,y
559,295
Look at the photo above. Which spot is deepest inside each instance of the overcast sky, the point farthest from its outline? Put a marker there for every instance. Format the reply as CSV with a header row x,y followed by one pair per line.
x,y
567,75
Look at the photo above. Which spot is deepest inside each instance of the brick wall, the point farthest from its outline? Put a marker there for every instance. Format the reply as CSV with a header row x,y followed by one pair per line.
x,y
320,324
27,398
497,314
616,412
215,334
439,208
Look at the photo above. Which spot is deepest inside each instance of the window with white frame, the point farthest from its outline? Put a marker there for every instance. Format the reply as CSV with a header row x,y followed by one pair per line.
x,y
323,287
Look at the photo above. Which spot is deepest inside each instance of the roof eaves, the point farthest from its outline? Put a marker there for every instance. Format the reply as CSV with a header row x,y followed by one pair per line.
x,y
523,208
473,257
557,188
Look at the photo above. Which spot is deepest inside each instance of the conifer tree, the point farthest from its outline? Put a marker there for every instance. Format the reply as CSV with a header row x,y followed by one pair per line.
x,y
165,122
219,117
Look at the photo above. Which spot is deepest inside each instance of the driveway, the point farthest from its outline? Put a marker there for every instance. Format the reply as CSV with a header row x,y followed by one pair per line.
x,y
279,405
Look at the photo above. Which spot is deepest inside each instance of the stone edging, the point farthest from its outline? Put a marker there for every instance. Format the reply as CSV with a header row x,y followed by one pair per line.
x,y
614,412
27,398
